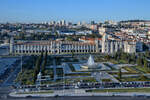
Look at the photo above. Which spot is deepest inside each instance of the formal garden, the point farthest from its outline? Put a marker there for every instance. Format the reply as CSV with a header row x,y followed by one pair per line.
x,y
123,67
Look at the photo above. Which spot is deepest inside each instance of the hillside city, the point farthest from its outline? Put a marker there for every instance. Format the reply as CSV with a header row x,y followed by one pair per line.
x,y
62,58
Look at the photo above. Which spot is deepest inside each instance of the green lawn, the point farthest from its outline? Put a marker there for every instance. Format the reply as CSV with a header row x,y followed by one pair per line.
x,y
117,61
142,69
137,78
78,74
121,90
123,61
130,70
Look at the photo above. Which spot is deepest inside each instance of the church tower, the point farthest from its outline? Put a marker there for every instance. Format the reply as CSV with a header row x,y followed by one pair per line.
x,y
104,43
11,46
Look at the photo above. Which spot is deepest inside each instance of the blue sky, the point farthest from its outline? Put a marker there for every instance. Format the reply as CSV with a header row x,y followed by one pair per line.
x,y
73,10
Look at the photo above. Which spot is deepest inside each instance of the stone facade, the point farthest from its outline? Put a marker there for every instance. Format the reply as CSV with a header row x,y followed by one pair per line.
x,y
110,46
53,47
105,45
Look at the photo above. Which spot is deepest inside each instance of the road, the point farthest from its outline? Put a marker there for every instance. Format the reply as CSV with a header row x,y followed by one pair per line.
x,y
82,93
118,66
84,98
111,77
4,91
103,75
12,76
97,76
4,51
54,67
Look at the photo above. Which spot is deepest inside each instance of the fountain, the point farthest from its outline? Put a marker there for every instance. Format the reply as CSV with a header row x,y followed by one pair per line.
x,y
90,61
90,64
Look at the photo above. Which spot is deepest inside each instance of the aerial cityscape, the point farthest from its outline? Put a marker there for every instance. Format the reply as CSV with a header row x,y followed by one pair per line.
x,y
70,54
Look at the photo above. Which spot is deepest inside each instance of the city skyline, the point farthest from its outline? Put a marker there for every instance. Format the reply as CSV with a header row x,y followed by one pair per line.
x,y
73,10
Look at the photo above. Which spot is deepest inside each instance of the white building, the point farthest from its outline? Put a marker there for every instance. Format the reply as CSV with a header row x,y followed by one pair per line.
x,y
110,46
102,30
113,45
106,45
130,47
52,47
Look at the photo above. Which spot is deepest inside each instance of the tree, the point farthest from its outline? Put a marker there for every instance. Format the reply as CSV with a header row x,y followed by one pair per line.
x,y
133,58
72,53
107,57
147,53
36,69
38,66
145,63
129,60
69,38
119,74
41,57
116,56
139,61
56,34
44,63
124,56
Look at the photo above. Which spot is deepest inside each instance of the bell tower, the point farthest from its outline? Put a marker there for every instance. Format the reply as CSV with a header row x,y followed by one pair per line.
x,y
11,46
104,42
